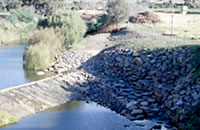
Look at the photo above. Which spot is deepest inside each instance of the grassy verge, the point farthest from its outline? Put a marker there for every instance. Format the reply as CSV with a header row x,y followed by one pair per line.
x,y
45,46
185,26
6,119
139,37
176,10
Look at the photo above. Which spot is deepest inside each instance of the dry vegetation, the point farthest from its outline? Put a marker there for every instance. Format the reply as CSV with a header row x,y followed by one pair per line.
x,y
185,26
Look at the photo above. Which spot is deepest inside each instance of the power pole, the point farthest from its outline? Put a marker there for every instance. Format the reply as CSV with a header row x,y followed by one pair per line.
x,y
172,17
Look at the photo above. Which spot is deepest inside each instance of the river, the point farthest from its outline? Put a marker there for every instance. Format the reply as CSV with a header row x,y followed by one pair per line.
x,y
79,116
12,72
71,116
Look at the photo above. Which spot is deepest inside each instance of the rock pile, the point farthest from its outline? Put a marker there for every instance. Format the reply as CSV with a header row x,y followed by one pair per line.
x,y
143,85
138,85
145,17
69,60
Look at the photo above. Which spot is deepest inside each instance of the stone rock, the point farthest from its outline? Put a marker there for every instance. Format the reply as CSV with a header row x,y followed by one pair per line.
x,y
154,84
144,103
157,127
40,73
132,103
136,112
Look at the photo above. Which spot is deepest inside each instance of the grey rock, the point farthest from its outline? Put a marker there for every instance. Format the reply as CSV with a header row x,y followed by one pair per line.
x,y
136,112
132,103
144,103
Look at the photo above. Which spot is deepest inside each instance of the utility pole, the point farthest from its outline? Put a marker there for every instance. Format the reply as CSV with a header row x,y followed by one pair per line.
x,y
172,17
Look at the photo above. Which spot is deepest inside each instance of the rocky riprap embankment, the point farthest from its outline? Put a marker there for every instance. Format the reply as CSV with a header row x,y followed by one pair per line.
x,y
144,85
69,60
139,85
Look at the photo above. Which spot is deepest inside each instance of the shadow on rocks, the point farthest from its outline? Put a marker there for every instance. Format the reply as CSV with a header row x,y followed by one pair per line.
x,y
155,84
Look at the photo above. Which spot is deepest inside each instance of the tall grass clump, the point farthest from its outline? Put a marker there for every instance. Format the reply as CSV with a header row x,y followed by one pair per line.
x,y
45,46
6,119
69,25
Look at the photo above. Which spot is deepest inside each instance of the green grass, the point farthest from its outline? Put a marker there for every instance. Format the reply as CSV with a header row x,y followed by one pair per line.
x,y
6,119
146,37
185,26
176,10
139,37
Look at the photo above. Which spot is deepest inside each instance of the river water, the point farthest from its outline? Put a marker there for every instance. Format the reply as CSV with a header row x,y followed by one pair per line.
x,y
78,116
12,72
71,116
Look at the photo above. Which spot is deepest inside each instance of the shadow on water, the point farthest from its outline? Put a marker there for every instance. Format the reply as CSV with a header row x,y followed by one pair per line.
x,y
67,106
77,116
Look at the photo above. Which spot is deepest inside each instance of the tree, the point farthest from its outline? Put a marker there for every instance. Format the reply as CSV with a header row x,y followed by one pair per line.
x,y
192,3
12,4
117,11
45,7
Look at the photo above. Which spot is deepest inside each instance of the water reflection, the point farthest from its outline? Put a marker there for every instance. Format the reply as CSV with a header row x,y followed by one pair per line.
x,y
11,66
12,72
31,75
67,106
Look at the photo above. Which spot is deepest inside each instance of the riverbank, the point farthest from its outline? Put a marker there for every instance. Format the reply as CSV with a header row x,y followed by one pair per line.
x,y
12,37
119,81
138,84
6,119
145,84
128,85
129,94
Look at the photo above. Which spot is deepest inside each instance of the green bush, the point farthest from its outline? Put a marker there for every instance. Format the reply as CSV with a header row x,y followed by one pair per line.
x,y
117,11
45,46
68,24
93,27
22,15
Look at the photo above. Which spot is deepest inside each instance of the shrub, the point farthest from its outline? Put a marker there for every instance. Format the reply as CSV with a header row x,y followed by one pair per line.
x,y
44,7
6,119
22,15
69,25
117,11
12,4
145,17
93,27
45,45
